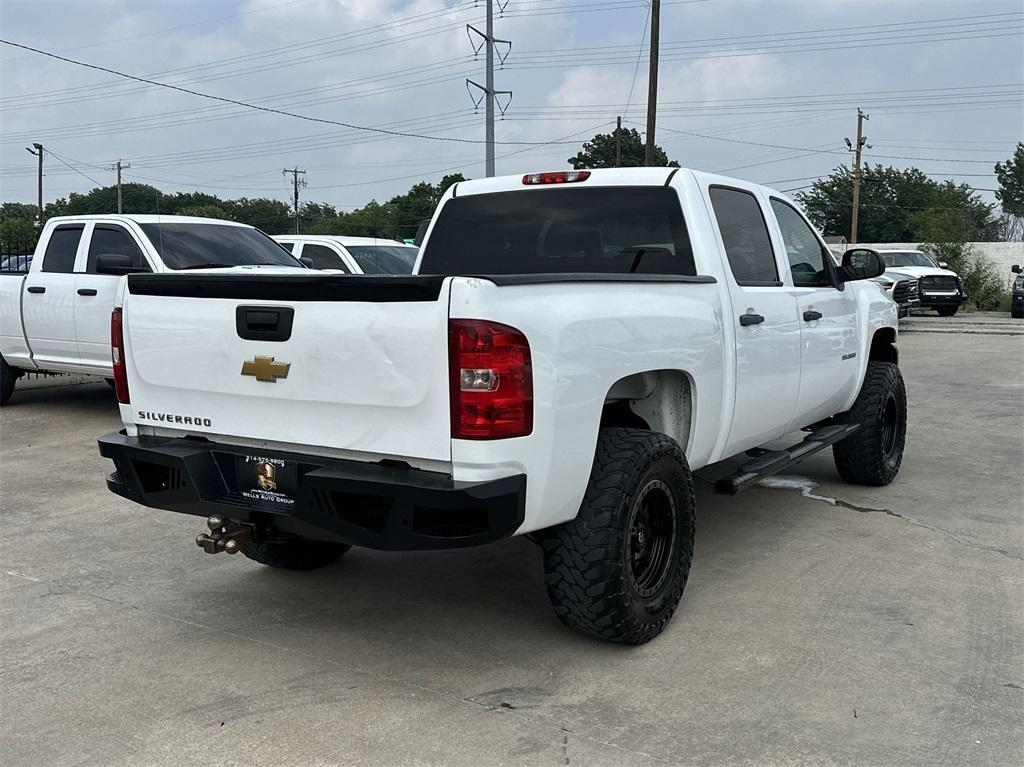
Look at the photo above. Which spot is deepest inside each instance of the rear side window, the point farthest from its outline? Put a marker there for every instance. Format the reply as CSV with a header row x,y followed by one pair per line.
x,y
745,236
289,246
113,240
201,246
61,249
323,257
606,230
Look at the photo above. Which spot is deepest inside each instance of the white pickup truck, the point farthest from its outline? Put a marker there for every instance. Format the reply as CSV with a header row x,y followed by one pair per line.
x,y
573,346
56,317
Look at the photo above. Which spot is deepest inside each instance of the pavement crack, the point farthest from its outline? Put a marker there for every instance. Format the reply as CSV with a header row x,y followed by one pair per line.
x,y
807,487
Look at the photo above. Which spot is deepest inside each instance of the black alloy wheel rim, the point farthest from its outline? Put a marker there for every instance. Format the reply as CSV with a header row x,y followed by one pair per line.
x,y
652,534
890,426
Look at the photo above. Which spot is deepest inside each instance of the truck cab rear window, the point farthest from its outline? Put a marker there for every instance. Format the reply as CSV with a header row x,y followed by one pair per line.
x,y
196,246
607,230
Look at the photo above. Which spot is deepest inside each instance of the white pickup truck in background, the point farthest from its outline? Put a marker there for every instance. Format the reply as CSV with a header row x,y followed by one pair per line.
x,y
355,255
573,346
56,317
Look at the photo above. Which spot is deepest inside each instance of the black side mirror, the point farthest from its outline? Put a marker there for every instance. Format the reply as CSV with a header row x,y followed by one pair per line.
x,y
943,265
421,232
861,264
1015,269
117,264
307,262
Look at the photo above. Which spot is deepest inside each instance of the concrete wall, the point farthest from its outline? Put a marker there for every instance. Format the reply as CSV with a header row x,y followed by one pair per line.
x,y
1002,255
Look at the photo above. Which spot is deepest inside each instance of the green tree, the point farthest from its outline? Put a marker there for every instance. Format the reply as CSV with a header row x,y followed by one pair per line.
x,y
203,211
599,152
899,206
17,235
1010,175
136,198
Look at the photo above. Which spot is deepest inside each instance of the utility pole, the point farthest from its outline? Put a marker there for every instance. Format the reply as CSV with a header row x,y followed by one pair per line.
x,y
296,183
862,142
490,95
618,141
119,166
39,152
652,83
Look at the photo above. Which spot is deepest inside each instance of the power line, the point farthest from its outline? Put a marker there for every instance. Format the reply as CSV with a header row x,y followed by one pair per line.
x,y
257,107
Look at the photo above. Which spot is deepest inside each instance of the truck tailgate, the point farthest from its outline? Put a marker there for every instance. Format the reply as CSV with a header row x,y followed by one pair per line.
x,y
363,369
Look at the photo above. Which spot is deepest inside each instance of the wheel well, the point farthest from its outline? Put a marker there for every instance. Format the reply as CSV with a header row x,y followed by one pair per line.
x,y
657,400
883,346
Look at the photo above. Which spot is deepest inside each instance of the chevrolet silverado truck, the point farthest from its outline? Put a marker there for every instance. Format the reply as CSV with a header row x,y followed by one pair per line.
x,y
938,288
55,314
572,347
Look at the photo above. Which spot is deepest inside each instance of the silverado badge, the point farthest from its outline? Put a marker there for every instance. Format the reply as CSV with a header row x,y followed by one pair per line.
x,y
266,474
265,369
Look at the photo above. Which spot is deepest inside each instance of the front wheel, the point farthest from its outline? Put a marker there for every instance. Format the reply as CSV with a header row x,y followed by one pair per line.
x,y
618,570
295,554
873,454
7,379
946,311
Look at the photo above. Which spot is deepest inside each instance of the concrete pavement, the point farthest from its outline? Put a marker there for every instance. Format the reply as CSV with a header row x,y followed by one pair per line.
x,y
881,627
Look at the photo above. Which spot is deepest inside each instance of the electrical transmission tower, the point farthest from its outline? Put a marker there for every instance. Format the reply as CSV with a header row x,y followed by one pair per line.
x,y
488,95
296,183
119,166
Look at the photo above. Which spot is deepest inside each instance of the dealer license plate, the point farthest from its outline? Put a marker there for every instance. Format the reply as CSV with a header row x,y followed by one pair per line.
x,y
267,481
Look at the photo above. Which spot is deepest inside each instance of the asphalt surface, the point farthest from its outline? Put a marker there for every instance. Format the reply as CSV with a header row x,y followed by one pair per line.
x,y
826,624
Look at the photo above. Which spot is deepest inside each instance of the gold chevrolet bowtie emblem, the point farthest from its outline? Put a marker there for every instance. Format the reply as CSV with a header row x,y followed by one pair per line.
x,y
265,369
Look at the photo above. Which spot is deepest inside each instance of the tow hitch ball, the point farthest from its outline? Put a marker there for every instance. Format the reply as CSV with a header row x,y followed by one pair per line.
x,y
224,535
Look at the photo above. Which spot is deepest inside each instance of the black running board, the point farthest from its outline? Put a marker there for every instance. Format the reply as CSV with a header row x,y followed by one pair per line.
x,y
770,463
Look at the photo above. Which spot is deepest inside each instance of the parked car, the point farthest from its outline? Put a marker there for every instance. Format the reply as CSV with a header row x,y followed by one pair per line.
x,y
19,263
901,288
575,346
939,288
56,318
355,255
1017,298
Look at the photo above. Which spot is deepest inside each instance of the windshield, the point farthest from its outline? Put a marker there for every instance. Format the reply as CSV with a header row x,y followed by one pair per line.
x,y
608,230
194,246
384,259
907,258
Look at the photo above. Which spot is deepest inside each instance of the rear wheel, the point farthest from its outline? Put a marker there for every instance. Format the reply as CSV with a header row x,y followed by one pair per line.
x,y
873,454
946,311
618,570
7,379
294,554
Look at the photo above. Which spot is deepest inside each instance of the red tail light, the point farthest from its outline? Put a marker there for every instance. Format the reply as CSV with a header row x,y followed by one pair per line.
x,y
556,177
117,355
491,380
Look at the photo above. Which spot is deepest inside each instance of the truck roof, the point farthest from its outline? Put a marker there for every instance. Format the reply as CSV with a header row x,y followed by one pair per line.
x,y
601,177
341,239
146,218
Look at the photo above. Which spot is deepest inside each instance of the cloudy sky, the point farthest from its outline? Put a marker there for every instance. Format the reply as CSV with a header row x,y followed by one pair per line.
x,y
761,89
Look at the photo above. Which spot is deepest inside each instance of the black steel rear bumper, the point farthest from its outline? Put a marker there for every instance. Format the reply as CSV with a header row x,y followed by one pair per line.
x,y
380,507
